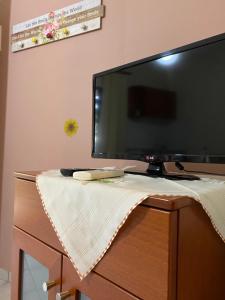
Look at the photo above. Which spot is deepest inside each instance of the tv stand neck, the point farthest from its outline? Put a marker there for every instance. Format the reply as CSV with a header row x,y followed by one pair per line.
x,y
157,169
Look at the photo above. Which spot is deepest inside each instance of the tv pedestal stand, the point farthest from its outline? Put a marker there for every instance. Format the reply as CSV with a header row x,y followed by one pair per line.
x,y
157,169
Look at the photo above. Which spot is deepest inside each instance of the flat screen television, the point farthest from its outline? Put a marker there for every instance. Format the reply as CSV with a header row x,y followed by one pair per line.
x,y
168,107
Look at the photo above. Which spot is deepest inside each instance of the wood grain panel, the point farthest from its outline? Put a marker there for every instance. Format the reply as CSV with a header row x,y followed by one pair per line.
x,y
44,254
201,259
143,255
93,286
167,203
27,175
30,216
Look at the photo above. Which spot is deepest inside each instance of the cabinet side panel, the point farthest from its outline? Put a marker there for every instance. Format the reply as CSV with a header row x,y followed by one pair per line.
x,y
172,276
201,257
16,266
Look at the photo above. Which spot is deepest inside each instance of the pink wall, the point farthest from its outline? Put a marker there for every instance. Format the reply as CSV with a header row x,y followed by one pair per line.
x,y
4,22
49,84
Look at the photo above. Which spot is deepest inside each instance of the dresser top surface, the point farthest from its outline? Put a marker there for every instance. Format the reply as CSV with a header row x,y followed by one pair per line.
x,y
161,202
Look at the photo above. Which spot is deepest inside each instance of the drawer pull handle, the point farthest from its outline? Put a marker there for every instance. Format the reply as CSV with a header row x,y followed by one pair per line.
x,y
47,285
63,295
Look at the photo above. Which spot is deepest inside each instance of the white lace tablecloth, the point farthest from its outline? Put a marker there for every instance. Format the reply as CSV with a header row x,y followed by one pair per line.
x,y
86,216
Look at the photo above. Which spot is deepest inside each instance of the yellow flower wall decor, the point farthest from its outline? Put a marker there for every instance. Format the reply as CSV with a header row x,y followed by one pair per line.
x,y
66,31
34,40
71,127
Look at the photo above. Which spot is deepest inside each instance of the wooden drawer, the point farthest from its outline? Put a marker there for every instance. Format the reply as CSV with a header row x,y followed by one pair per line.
x,y
30,216
93,286
141,259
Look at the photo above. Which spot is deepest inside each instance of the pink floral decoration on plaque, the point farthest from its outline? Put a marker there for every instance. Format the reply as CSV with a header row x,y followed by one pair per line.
x,y
49,29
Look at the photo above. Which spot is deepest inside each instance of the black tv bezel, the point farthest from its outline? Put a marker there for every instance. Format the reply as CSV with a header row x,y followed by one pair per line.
x,y
151,157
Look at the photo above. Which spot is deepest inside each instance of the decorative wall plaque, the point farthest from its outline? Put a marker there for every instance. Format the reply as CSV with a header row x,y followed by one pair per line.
x,y
69,21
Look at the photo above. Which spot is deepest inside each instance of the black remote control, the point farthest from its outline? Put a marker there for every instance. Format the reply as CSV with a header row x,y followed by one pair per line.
x,y
69,172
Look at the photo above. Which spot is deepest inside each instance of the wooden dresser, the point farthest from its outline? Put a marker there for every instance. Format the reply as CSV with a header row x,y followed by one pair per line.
x,y
166,250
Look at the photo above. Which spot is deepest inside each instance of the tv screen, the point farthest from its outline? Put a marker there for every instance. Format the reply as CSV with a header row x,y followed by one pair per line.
x,y
169,107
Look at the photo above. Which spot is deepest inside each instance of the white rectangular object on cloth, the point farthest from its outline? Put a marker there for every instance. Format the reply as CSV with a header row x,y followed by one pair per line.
x,y
97,174
87,215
